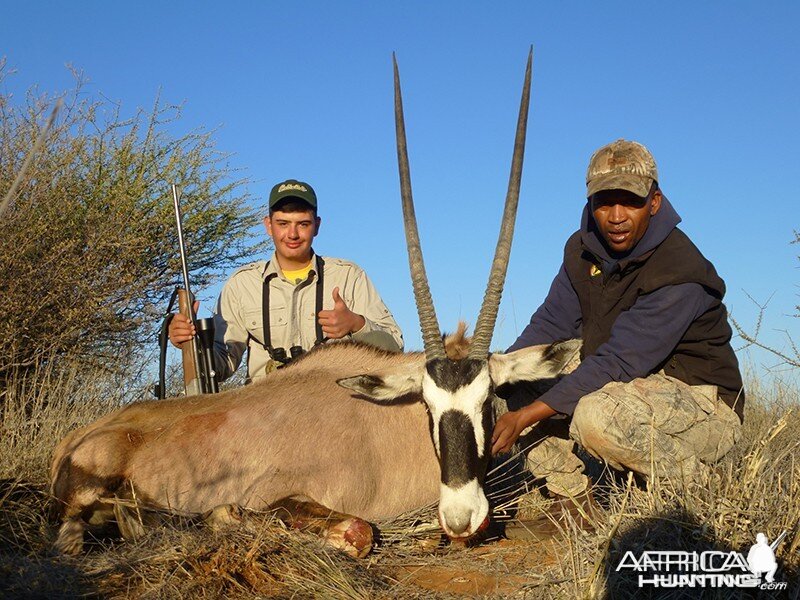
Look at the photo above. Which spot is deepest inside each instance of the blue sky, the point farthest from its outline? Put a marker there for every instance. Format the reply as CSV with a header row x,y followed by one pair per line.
x,y
304,90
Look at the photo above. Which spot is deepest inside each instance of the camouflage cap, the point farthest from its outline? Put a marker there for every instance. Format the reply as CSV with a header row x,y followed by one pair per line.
x,y
621,165
291,188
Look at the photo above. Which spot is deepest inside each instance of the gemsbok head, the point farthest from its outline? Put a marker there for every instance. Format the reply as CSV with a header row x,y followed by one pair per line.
x,y
459,393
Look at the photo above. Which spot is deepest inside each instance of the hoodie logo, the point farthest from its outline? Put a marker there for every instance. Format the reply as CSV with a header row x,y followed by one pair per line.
x,y
594,271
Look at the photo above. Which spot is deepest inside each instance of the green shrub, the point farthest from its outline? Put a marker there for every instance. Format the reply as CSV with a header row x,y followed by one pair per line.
x,y
88,248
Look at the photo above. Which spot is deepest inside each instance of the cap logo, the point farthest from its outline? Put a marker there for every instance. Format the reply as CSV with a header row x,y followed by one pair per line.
x,y
292,186
622,165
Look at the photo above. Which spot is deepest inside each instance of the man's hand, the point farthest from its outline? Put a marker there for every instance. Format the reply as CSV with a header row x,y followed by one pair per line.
x,y
340,321
181,328
507,431
509,427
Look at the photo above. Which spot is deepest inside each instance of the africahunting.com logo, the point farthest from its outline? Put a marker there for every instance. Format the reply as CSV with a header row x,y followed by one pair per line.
x,y
710,569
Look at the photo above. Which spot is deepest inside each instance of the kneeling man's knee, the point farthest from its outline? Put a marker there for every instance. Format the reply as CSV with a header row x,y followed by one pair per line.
x,y
596,425
612,431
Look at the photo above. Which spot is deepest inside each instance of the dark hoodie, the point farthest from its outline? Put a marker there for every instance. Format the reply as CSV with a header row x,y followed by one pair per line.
x,y
641,338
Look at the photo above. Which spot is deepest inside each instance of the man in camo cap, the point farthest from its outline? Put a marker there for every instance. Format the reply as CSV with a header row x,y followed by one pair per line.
x,y
658,388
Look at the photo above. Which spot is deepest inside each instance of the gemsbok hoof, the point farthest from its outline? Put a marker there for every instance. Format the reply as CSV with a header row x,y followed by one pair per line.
x,y
70,538
351,536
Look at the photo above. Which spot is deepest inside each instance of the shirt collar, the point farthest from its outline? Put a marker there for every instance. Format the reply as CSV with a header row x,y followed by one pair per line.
x,y
273,266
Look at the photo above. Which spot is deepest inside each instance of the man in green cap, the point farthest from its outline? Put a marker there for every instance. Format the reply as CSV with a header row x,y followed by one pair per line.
x,y
281,308
658,389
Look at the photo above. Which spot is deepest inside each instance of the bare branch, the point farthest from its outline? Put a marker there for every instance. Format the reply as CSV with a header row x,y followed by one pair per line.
x,y
36,147
751,338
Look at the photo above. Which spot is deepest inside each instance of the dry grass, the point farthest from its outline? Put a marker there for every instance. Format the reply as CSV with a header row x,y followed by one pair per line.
x,y
755,488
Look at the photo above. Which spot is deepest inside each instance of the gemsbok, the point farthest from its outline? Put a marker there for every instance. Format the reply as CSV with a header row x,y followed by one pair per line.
x,y
344,435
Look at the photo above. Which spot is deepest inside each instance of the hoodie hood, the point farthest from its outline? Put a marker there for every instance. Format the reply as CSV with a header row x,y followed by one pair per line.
x,y
660,226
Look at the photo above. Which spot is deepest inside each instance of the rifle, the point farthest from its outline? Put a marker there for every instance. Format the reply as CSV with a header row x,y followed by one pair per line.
x,y
198,353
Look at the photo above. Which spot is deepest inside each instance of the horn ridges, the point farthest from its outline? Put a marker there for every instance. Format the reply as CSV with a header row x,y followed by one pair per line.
x,y
429,325
494,289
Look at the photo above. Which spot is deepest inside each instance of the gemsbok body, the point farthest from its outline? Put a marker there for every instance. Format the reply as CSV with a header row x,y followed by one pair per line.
x,y
347,429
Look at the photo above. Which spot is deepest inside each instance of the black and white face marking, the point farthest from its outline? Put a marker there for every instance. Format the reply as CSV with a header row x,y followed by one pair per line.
x,y
458,451
457,395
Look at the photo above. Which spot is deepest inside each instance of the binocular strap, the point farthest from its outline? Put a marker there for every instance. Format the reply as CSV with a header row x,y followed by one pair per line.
x,y
320,273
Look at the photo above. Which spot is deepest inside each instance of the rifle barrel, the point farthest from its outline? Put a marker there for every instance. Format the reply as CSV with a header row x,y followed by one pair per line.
x,y
179,220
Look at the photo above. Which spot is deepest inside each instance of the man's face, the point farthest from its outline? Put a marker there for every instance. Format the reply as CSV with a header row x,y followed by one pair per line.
x,y
292,233
622,217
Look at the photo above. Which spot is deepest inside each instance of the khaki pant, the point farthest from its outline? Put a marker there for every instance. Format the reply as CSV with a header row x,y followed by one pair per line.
x,y
654,425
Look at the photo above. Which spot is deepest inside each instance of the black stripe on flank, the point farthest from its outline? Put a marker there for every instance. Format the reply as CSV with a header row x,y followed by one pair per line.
x,y
459,451
450,374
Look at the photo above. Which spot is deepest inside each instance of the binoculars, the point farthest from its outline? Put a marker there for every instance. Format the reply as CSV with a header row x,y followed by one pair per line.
x,y
280,355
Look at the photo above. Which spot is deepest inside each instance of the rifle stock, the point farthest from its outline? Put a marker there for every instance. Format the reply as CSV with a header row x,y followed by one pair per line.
x,y
192,382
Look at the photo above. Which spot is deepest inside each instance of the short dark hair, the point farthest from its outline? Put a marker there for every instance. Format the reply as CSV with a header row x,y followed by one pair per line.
x,y
291,205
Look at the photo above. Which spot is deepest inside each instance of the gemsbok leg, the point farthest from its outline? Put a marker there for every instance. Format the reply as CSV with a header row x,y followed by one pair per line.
x,y
345,532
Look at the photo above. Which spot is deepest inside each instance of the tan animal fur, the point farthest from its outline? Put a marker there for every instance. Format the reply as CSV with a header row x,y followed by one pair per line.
x,y
295,434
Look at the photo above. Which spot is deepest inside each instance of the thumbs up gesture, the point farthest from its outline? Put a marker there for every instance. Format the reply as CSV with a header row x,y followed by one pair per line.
x,y
340,321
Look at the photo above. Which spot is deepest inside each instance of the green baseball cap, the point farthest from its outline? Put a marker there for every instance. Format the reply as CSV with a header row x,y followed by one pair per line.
x,y
291,188
621,165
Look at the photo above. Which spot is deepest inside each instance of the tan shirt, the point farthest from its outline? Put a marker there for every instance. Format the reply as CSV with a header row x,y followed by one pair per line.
x,y
239,324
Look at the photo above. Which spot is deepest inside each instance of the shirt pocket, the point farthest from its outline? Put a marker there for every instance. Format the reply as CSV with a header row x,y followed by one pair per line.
x,y
254,322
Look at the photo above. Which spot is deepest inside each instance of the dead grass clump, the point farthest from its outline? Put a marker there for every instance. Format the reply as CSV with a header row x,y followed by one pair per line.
x,y
38,407
24,507
173,562
257,558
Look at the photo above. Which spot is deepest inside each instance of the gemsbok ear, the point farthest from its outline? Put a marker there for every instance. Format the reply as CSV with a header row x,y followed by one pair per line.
x,y
388,384
533,363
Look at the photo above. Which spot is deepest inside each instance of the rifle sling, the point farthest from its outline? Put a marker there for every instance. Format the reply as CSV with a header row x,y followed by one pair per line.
x,y
163,338
320,291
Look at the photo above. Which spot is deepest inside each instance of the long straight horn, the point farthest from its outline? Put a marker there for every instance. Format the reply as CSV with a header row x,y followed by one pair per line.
x,y
494,289
431,335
